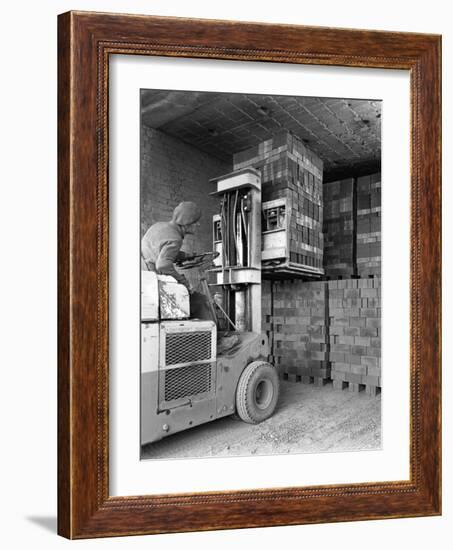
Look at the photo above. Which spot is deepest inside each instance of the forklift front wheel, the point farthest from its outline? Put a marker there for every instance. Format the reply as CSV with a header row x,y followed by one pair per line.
x,y
257,392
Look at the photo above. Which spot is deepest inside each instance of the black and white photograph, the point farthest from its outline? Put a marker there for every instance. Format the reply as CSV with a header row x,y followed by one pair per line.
x,y
226,300
260,245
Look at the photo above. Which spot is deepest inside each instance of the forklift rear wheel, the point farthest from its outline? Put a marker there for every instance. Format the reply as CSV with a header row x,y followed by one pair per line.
x,y
257,392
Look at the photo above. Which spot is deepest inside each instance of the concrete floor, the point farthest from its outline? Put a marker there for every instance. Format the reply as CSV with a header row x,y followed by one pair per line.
x,y
308,419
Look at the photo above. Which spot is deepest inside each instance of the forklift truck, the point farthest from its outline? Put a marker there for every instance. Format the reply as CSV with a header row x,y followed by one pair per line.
x,y
197,370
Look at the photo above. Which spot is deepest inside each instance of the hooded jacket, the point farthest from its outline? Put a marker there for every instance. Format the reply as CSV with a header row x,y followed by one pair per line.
x,y
161,247
161,244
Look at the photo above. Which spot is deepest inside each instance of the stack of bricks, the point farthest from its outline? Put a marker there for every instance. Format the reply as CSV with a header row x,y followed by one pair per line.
x,y
295,319
291,171
339,244
369,225
355,334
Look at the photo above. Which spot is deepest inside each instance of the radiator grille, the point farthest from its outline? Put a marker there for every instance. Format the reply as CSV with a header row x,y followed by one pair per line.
x,y
187,347
187,381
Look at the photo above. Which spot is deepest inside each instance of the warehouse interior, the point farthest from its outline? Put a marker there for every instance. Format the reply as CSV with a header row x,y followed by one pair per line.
x,y
320,161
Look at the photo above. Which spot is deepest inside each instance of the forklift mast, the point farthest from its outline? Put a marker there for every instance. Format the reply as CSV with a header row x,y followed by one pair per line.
x,y
237,238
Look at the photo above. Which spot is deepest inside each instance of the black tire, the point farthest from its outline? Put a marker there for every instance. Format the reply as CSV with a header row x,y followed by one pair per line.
x,y
257,392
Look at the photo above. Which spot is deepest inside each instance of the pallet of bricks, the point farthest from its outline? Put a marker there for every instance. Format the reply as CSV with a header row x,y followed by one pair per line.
x,y
339,228
369,225
294,318
355,334
292,172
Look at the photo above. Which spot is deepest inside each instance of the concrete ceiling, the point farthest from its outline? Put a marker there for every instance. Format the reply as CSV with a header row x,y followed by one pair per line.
x,y
345,133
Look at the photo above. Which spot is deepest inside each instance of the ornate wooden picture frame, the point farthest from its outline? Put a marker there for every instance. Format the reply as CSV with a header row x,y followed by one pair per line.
x,y
85,41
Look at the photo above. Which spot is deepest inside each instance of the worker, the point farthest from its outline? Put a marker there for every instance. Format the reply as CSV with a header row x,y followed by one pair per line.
x,y
161,244
161,248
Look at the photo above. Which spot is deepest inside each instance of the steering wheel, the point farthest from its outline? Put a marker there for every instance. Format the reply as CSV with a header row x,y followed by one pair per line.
x,y
197,260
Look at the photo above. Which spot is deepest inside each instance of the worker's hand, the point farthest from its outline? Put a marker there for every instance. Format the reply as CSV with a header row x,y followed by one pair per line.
x,y
190,288
204,259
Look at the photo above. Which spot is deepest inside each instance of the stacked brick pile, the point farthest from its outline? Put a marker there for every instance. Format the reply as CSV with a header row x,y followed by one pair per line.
x,y
369,225
296,321
339,245
293,172
355,334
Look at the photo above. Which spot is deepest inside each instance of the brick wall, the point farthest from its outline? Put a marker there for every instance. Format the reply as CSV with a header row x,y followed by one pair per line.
x,y
171,172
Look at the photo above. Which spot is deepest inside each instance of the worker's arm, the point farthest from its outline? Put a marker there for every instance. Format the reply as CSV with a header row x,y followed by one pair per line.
x,y
165,263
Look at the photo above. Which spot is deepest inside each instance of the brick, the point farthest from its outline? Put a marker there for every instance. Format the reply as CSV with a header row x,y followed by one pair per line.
x,y
373,322
342,348
359,350
321,373
353,359
353,331
369,361
349,340
374,371
359,369
372,380
369,331
373,352
337,330
341,367
362,341
337,356
369,312
351,312
337,293
352,293
354,378
352,303
369,293
358,322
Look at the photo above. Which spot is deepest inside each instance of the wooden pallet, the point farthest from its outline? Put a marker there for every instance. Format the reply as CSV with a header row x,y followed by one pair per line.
x,y
356,388
317,381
